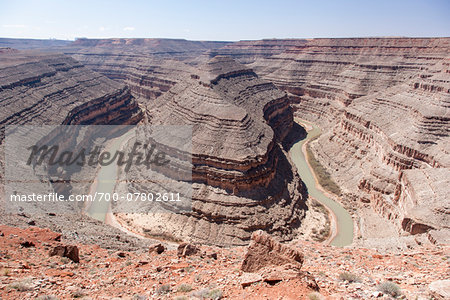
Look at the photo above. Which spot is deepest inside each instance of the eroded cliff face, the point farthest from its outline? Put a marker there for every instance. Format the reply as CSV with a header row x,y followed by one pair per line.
x,y
384,107
55,89
381,102
242,178
148,77
150,67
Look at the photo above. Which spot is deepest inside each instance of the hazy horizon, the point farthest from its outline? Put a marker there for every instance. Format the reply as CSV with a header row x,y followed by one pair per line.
x,y
223,21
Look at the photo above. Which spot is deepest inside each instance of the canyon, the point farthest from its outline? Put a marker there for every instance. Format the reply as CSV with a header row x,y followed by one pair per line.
x,y
242,178
382,104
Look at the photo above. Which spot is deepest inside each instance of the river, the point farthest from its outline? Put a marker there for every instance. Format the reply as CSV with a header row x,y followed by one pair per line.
x,y
107,177
106,180
344,222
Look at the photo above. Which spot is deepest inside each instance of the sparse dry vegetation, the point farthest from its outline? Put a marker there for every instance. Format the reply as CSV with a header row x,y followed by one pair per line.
x,y
207,293
315,296
21,286
184,288
349,277
321,173
323,234
163,289
6,272
389,288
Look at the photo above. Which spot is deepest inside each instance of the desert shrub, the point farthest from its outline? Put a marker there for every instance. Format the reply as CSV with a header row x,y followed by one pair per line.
x,y
389,288
184,288
215,294
78,294
322,174
6,271
47,297
21,286
315,296
163,289
65,260
206,293
349,277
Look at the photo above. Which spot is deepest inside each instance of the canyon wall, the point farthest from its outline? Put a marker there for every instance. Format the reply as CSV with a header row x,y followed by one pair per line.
x,y
150,67
382,102
55,89
384,106
242,178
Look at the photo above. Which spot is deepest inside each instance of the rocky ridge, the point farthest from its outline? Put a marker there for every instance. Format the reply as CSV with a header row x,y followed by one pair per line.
x,y
383,106
242,178
56,89
53,89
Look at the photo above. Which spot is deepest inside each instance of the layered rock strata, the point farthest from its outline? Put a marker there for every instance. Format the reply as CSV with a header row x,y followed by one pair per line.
x,y
148,77
150,67
383,104
242,178
43,89
55,89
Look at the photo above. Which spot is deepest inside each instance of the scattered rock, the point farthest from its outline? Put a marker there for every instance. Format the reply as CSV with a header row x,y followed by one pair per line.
x,y
250,278
68,251
187,249
377,294
310,281
27,244
440,289
264,251
156,248
275,274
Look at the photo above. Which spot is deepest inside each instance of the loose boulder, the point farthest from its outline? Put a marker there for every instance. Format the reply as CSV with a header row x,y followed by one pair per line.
x,y
156,248
264,251
186,249
68,251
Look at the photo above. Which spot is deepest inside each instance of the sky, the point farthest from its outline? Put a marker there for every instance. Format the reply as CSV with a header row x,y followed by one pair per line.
x,y
225,20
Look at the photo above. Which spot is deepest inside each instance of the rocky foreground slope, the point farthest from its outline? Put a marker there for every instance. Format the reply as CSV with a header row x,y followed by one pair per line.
x,y
32,266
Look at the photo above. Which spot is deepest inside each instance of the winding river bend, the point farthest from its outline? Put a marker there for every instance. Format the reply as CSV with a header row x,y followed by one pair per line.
x,y
105,181
107,177
344,221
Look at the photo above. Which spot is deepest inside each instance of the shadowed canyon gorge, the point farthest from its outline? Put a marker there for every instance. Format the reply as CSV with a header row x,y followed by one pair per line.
x,y
382,104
